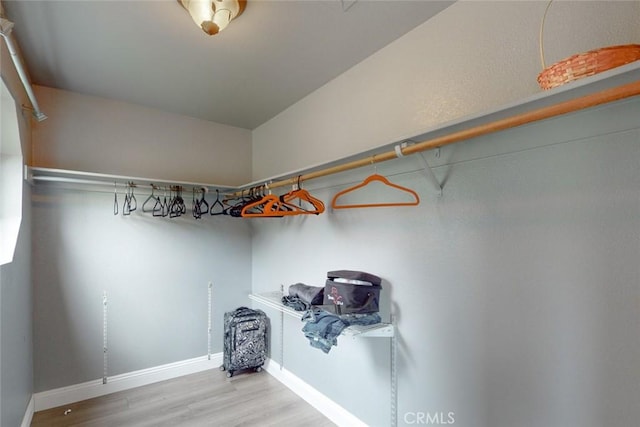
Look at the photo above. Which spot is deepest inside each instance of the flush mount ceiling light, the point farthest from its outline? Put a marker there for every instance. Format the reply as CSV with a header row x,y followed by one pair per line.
x,y
213,16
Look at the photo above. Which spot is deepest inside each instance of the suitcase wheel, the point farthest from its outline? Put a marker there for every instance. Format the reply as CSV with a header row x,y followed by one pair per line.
x,y
229,374
222,368
258,368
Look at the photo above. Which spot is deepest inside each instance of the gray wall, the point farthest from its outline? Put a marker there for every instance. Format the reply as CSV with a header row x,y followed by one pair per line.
x,y
16,363
155,272
93,134
516,292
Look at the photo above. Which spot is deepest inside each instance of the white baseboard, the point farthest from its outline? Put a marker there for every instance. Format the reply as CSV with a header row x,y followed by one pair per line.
x,y
75,393
322,403
28,415
88,390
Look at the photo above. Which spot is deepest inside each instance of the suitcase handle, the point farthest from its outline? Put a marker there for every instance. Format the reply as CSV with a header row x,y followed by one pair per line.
x,y
240,310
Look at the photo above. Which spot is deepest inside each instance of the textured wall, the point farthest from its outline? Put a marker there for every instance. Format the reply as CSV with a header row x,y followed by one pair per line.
x,y
99,135
16,326
155,272
16,344
515,292
472,57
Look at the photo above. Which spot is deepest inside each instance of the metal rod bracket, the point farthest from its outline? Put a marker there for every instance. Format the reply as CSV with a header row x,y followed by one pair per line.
x,y
432,177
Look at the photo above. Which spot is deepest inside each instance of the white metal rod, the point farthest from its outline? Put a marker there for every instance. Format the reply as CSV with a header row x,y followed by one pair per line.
x,y
91,178
5,30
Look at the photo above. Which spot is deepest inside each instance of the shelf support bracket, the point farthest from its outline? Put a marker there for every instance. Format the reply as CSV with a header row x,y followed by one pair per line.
x,y
281,332
105,351
394,375
430,175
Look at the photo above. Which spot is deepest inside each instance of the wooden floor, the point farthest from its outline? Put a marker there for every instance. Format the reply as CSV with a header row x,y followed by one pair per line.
x,y
204,399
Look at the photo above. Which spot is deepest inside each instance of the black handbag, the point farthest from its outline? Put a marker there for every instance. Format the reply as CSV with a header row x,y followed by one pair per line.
x,y
352,292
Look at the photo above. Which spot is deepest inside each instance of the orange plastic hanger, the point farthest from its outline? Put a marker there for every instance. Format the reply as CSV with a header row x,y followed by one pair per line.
x,y
370,179
271,206
268,206
303,196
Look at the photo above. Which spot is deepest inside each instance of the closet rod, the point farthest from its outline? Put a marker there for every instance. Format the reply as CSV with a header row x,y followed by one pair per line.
x,y
608,95
33,174
143,187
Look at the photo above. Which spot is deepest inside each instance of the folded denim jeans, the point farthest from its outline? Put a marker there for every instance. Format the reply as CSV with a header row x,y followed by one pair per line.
x,y
323,328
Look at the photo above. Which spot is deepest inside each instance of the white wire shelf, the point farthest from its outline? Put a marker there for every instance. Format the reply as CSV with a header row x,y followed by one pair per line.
x,y
274,300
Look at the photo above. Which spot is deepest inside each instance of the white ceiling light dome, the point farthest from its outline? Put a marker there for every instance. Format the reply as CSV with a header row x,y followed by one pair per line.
x,y
213,16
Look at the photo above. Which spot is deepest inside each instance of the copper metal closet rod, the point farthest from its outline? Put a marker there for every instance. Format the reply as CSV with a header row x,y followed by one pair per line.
x,y
592,100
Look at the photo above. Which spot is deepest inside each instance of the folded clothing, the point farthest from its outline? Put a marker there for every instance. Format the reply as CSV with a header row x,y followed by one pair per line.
x,y
301,297
323,328
296,303
312,295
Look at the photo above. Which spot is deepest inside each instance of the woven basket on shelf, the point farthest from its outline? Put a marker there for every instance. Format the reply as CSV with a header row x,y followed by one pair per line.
x,y
584,64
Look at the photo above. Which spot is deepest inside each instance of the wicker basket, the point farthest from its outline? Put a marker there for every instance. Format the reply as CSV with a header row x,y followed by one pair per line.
x,y
584,64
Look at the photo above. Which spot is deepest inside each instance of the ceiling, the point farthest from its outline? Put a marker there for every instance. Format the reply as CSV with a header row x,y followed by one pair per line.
x,y
150,52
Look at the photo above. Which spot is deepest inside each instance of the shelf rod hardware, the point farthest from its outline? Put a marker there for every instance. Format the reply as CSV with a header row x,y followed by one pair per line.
x,y
6,28
432,177
34,174
105,351
209,319
576,104
281,332
394,375
39,174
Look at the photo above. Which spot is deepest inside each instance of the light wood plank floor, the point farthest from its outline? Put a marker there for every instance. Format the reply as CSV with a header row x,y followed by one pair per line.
x,y
207,398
